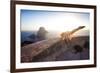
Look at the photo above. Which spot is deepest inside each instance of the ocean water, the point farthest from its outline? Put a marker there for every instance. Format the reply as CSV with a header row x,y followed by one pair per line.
x,y
31,36
25,36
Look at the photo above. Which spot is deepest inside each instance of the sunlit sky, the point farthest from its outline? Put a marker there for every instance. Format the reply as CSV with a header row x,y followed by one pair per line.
x,y
53,20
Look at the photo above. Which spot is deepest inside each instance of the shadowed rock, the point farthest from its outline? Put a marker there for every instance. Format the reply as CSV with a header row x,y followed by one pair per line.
x,y
29,51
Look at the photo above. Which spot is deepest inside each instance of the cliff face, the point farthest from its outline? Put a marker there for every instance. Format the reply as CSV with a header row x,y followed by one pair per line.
x,y
53,50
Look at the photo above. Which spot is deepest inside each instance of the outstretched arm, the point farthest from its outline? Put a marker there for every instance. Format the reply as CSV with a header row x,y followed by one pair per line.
x,y
77,29
68,35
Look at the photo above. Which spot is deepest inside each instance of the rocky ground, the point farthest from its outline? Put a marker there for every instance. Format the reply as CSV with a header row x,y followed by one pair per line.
x,y
54,50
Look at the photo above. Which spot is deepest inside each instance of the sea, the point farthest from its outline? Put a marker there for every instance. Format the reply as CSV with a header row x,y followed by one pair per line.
x,y
28,36
32,35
